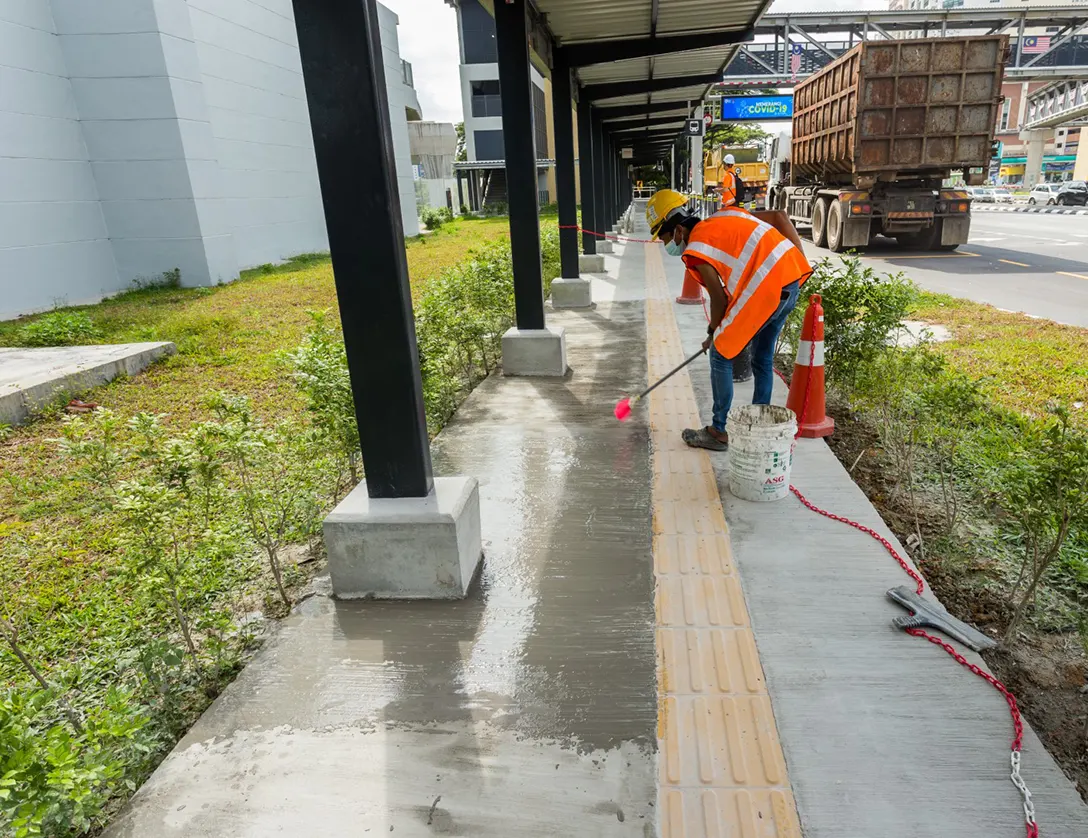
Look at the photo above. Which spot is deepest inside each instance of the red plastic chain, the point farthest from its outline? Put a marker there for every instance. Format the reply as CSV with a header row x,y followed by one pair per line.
x,y
613,237
1031,827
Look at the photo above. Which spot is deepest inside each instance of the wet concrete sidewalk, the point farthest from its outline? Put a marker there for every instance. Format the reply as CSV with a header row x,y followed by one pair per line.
x,y
528,709
885,736
531,708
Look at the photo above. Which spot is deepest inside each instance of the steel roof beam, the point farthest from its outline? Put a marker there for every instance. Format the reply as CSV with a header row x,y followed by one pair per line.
x,y
609,90
640,121
618,111
602,52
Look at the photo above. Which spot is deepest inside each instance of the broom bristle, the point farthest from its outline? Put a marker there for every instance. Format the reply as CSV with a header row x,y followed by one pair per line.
x,y
623,409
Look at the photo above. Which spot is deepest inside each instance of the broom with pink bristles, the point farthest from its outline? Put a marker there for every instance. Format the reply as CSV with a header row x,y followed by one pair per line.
x,y
624,406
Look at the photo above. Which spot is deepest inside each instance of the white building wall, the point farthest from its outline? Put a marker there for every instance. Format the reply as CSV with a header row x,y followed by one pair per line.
x,y
137,86
54,248
143,135
401,96
252,75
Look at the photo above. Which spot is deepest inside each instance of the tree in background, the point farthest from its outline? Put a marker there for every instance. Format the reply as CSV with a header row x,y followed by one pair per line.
x,y
462,149
733,133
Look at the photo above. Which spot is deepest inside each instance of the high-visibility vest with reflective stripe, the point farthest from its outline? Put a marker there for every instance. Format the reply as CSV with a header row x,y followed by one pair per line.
x,y
754,261
729,189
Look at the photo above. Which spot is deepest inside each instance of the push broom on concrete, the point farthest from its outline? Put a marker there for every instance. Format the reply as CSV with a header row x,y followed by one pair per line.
x,y
624,406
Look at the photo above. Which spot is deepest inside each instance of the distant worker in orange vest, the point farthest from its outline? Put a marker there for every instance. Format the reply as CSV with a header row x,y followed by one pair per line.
x,y
753,274
730,198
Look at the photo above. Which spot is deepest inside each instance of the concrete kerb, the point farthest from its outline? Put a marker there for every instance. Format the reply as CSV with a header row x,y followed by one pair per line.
x,y
604,246
406,548
34,378
1032,209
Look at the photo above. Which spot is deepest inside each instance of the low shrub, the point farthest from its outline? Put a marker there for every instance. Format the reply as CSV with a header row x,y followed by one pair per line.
x,y
945,447
58,328
433,218
861,309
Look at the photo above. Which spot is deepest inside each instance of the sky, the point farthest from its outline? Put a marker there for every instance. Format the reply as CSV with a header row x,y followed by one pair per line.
x,y
428,40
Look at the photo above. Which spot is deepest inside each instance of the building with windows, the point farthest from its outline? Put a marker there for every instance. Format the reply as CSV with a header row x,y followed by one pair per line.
x,y
485,171
1059,149
149,135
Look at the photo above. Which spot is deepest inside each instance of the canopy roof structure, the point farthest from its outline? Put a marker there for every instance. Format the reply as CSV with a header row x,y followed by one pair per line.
x,y
640,62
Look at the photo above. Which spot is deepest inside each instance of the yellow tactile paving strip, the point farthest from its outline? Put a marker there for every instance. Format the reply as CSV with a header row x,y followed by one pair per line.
x,y
721,771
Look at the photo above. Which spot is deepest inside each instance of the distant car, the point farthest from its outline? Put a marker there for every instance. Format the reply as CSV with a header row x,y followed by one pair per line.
x,y
981,194
1073,194
1044,193
1002,196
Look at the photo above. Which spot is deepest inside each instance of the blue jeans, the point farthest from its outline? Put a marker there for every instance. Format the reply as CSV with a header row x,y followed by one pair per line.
x,y
762,351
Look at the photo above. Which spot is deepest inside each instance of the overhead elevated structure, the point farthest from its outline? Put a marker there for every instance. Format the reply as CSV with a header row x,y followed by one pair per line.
x,y
796,45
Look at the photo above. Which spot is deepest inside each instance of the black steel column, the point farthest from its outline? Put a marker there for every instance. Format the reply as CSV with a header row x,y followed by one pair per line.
x,y
565,192
613,180
609,218
516,87
349,114
460,193
585,174
600,212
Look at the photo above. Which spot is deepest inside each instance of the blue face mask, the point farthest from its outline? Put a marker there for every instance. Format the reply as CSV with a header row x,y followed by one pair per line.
x,y
674,249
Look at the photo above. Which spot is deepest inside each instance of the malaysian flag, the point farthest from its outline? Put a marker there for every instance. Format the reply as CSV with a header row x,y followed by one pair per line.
x,y
1035,43
795,59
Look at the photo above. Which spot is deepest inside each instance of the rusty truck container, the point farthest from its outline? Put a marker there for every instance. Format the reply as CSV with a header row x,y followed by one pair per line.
x,y
889,110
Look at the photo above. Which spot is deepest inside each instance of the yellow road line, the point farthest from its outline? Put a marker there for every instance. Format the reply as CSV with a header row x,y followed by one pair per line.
x,y
1010,262
1075,276
721,769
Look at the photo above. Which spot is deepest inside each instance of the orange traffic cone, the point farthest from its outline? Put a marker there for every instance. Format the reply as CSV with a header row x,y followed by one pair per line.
x,y
692,293
806,397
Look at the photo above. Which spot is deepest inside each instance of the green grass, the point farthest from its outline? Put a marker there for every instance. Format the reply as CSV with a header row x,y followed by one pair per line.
x,y
1023,362
56,556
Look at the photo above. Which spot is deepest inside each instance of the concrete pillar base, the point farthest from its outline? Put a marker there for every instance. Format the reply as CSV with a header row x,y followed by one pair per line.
x,y
572,293
593,263
536,352
406,548
604,246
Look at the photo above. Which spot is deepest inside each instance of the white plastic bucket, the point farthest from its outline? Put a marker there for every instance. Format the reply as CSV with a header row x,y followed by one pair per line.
x,y
761,441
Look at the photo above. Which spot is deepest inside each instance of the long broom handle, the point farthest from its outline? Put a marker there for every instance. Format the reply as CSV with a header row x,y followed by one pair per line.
x,y
666,377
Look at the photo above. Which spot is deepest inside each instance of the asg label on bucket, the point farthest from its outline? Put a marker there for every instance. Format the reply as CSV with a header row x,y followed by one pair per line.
x,y
761,443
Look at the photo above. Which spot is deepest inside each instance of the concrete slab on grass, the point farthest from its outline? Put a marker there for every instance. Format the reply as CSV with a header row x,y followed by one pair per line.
x,y
31,378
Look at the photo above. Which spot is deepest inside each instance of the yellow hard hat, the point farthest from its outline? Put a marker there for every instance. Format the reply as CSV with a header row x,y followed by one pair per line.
x,y
663,204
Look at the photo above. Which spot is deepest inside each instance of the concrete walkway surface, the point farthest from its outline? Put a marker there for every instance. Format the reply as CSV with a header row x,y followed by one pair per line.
x,y
642,655
32,378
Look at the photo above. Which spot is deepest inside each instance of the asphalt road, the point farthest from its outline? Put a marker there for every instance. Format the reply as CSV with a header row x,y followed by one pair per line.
x,y
1028,262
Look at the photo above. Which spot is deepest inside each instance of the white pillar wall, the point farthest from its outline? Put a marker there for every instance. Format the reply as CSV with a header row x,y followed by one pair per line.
x,y
1033,168
137,86
142,136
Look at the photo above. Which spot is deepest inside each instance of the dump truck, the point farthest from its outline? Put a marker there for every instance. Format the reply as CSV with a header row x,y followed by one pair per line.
x,y
877,131
752,170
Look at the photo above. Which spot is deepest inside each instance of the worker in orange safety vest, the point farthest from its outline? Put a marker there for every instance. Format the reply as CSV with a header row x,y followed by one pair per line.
x,y
729,183
752,274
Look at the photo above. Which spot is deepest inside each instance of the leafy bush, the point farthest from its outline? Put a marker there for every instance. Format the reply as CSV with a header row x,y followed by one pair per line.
x,y
433,218
861,309
59,328
55,781
321,373
1025,478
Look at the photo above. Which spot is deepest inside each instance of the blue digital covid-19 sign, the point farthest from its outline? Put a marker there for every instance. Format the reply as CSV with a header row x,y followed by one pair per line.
x,y
756,108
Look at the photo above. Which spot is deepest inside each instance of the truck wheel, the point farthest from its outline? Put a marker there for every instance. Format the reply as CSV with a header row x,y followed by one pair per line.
x,y
819,222
835,227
